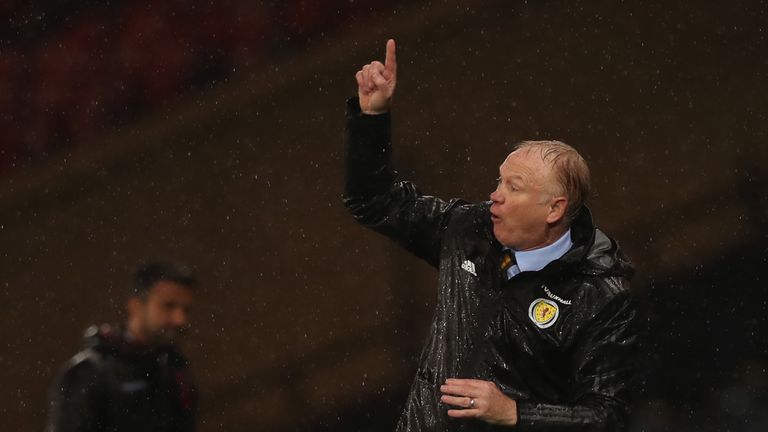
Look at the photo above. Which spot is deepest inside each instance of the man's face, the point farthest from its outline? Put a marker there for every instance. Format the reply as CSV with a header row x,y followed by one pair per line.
x,y
164,313
521,206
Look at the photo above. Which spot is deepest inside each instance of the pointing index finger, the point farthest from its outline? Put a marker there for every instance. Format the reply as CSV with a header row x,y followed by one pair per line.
x,y
390,61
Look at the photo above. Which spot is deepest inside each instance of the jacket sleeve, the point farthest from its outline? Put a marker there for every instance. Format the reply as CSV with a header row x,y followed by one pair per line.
x,y
74,399
602,370
397,210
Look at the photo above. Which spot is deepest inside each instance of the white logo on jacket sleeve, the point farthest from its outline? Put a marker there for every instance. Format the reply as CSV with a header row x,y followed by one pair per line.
x,y
469,266
543,312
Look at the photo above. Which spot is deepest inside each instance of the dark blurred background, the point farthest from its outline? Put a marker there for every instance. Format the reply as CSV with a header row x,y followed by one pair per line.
x,y
211,132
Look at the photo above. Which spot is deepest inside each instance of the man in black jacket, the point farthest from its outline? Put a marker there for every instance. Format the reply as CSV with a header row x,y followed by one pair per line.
x,y
132,377
533,324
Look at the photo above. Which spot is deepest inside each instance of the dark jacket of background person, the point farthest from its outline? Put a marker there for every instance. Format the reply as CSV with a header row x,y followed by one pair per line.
x,y
573,375
115,385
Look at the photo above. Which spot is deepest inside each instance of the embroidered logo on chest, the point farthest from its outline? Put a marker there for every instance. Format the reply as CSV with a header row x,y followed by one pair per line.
x,y
543,312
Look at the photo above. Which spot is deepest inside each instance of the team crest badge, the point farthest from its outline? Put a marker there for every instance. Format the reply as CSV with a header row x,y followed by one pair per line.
x,y
543,312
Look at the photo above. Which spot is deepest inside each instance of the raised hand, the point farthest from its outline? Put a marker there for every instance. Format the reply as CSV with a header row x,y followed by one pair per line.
x,y
376,83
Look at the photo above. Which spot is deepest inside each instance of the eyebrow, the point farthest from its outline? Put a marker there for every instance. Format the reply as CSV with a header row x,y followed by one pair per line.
x,y
517,177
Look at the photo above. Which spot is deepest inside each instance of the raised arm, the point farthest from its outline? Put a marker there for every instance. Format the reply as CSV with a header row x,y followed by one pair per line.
x,y
395,209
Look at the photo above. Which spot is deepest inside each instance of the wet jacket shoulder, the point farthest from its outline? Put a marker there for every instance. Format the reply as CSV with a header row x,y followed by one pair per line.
x,y
77,395
115,385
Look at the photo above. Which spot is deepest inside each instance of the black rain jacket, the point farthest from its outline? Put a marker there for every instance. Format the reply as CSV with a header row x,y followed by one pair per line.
x,y
114,385
568,370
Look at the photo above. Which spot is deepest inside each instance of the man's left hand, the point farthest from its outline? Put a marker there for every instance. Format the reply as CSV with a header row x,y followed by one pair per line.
x,y
479,399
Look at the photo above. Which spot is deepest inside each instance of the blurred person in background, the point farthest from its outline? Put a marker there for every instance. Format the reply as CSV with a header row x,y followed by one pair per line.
x,y
131,376
533,325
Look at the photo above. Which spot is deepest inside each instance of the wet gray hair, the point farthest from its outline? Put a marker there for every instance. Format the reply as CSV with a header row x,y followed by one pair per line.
x,y
570,170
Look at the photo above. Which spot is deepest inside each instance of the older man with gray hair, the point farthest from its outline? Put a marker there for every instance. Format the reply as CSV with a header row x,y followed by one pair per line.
x,y
533,323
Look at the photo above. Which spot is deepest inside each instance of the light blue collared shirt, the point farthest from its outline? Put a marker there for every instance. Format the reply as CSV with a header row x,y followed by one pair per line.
x,y
537,259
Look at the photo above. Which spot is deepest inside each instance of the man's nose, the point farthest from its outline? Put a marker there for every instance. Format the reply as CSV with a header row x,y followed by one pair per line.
x,y
495,196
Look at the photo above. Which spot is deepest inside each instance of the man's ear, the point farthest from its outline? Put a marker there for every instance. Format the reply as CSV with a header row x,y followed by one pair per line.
x,y
134,306
557,208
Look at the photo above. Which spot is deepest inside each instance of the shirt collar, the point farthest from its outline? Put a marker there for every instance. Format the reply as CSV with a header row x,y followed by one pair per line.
x,y
537,259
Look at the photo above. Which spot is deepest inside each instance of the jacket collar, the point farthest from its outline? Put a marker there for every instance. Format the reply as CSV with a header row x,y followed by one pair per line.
x,y
537,259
